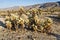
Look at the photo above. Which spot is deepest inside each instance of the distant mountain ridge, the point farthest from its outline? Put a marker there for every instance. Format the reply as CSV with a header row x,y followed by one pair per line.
x,y
50,4
44,5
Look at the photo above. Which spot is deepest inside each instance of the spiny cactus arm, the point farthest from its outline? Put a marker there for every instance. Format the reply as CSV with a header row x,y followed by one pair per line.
x,y
8,24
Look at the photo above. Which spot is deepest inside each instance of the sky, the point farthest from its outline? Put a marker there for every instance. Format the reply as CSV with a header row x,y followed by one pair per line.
x,y
11,3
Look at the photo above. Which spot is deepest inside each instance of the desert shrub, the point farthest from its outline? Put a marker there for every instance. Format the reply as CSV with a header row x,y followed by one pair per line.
x,y
30,19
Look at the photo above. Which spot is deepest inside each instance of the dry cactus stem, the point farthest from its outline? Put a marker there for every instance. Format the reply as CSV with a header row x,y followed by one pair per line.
x,y
14,19
8,25
34,27
21,23
36,19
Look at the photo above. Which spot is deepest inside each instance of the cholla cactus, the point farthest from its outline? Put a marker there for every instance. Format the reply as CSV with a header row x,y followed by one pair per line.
x,y
27,13
34,10
48,24
40,28
49,20
8,25
28,18
14,17
37,20
34,27
21,11
45,25
21,23
7,18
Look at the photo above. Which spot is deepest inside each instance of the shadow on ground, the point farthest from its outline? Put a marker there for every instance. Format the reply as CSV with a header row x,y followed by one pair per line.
x,y
2,24
56,19
55,35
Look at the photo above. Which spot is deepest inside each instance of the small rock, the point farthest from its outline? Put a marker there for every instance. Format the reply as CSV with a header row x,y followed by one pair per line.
x,y
33,39
18,37
1,28
29,36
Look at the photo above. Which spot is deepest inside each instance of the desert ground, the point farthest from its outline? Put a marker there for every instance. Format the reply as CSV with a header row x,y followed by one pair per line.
x,y
5,34
46,10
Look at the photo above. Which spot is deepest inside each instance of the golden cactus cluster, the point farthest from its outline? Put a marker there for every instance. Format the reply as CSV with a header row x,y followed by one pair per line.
x,y
28,20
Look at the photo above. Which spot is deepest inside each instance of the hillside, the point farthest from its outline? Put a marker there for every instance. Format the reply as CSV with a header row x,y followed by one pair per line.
x,y
44,5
